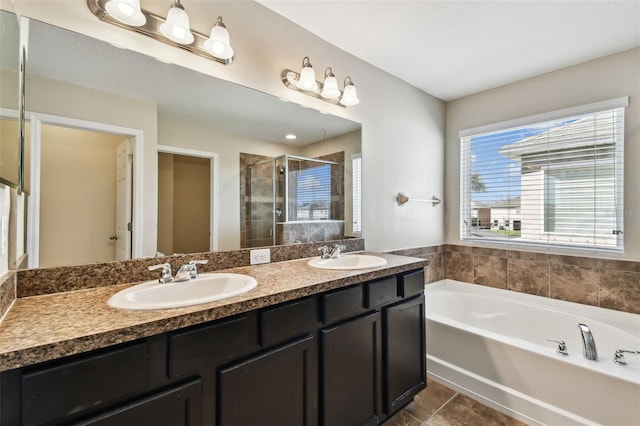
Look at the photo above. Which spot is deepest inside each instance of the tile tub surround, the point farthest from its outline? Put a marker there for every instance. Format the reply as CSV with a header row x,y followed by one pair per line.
x,y
51,326
435,255
34,282
612,284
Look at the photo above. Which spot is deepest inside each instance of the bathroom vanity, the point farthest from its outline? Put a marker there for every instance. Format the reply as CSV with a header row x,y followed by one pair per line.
x,y
337,348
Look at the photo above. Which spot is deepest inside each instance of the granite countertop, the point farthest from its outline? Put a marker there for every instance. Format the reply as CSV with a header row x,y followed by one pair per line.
x,y
47,327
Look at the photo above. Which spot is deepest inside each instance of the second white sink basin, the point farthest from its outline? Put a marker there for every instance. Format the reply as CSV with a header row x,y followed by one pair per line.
x,y
348,262
207,288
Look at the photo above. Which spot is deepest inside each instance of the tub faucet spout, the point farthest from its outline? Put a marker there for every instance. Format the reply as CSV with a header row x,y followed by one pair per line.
x,y
589,350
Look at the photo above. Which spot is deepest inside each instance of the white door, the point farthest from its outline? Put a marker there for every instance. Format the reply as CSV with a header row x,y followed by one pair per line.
x,y
124,176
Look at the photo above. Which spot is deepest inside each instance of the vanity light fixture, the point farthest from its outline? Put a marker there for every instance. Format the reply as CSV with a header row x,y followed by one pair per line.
x,y
126,11
218,44
349,96
328,91
174,29
307,80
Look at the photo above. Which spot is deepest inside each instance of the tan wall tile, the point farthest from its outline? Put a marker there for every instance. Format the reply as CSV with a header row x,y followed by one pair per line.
x,y
619,290
459,266
574,283
490,271
529,277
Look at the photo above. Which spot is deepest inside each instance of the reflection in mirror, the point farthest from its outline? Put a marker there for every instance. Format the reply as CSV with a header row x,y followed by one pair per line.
x,y
80,82
9,66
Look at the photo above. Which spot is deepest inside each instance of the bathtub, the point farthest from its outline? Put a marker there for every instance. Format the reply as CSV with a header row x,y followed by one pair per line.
x,y
490,344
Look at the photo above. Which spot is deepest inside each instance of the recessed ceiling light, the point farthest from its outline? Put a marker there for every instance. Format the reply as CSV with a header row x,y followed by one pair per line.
x,y
290,136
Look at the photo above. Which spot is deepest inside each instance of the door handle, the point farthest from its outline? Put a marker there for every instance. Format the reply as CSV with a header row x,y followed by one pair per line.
x,y
113,237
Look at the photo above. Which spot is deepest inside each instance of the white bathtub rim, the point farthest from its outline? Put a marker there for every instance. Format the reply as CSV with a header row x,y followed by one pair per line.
x,y
619,319
605,364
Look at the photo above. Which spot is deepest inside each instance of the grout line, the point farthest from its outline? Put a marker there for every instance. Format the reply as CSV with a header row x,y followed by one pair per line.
x,y
442,406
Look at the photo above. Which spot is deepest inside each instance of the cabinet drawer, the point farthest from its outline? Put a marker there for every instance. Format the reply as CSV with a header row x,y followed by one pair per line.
x,y
73,387
288,320
381,292
412,283
199,347
342,304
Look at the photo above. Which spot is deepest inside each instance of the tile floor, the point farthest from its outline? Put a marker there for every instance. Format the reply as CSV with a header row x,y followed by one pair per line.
x,y
438,405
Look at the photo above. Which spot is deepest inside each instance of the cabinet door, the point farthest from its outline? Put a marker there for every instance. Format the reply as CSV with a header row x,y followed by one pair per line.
x,y
404,352
278,387
177,406
350,363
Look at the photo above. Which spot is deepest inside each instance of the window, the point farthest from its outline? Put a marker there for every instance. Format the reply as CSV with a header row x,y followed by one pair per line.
x,y
356,177
557,177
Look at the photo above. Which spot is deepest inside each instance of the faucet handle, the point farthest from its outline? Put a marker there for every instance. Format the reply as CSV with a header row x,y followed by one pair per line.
x,y
618,358
325,252
562,347
166,272
194,271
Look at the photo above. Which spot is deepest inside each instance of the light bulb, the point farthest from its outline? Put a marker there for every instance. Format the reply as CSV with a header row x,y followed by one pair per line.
x,y
307,80
218,43
176,27
330,87
349,97
126,11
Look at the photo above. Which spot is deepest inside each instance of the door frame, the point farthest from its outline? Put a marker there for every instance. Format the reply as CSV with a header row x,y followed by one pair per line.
x,y
213,199
33,211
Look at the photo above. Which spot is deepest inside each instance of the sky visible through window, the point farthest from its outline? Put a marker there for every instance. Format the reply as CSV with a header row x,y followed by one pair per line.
x,y
498,174
314,184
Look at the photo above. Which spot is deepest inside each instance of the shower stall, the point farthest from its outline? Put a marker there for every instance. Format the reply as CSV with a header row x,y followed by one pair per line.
x,y
295,200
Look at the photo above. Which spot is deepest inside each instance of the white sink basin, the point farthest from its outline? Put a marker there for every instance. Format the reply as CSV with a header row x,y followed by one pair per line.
x,y
348,261
207,288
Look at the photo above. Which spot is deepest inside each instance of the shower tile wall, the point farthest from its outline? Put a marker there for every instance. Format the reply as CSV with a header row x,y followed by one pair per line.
x,y
245,205
300,232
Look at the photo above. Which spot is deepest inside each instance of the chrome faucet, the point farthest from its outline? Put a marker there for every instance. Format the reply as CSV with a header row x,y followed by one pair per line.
x,y
589,350
331,253
188,271
618,358
166,272
336,250
325,252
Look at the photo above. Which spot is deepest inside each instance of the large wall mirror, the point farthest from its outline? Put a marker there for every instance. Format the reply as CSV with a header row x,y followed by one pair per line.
x,y
9,80
117,139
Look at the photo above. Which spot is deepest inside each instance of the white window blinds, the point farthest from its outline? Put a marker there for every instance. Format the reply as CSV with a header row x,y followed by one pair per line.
x,y
556,182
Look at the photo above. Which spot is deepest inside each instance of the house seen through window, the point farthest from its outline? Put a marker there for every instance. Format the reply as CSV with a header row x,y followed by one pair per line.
x,y
551,182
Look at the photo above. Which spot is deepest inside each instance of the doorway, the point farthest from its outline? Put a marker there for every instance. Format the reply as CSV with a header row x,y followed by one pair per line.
x,y
81,207
187,207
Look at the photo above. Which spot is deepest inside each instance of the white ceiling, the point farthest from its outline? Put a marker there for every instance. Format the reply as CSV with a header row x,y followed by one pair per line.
x,y
455,48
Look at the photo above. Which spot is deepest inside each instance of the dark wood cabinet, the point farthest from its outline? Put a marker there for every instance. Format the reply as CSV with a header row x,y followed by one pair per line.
x,y
178,406
404,362
276,388
351,356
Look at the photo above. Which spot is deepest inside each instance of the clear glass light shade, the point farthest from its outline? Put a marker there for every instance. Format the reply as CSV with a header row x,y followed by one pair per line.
x,y
349,96
126,11
330,88
307,79
176,28
218,43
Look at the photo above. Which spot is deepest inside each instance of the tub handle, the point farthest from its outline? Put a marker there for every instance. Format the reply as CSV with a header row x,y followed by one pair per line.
x,y
618,358
562,347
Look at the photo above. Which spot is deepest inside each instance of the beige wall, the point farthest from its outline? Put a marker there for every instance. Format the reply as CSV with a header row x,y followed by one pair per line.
x,y
165,203
67,100
402,127
601,79
78,196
